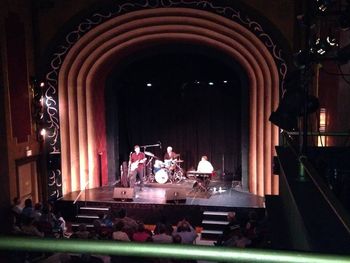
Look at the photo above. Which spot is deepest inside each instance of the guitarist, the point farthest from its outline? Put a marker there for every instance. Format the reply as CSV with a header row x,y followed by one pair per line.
x,y
137,167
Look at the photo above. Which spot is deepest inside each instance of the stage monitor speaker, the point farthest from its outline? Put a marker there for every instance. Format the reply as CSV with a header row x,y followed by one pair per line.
x,y
122,193
175,195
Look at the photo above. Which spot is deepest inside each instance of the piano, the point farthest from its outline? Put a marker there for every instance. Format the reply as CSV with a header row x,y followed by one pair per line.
x,y
202,180
199,174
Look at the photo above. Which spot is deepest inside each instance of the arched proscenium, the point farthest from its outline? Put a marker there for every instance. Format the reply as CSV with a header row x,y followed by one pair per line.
x,y
81,84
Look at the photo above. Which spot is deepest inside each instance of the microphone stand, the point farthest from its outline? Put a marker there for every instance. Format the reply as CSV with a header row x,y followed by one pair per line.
x,y
150,145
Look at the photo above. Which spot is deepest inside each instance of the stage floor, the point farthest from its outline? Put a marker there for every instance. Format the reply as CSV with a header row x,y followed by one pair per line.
x,y
219,194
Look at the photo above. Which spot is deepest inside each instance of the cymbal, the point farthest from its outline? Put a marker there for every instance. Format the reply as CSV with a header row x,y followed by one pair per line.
x,y
149,154
179,161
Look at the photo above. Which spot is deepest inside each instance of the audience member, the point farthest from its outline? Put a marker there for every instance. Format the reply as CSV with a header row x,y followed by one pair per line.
x,y
29,228
142,234
82,232
229,228
162,236
119,234
16,210
37,211
130,224
27,211
187,233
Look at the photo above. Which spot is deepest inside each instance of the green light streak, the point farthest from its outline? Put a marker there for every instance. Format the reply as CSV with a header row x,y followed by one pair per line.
x,y
209,253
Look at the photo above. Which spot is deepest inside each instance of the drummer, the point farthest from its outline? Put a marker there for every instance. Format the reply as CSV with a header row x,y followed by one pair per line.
x,y
169,155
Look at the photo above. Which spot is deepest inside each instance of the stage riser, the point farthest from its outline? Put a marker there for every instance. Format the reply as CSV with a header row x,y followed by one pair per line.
x,y
212,226
206,236
213,217
151,213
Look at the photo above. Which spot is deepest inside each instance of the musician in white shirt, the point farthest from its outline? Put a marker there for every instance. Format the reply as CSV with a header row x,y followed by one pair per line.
x,y
204,166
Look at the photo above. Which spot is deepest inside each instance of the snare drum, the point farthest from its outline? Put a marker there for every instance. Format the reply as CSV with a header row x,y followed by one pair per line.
x,y
161,176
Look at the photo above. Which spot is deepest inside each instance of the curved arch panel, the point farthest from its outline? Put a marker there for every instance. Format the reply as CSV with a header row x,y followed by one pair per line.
x,y
87,62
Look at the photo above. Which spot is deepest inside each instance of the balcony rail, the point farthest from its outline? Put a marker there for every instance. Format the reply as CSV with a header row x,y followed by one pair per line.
x,y
209,253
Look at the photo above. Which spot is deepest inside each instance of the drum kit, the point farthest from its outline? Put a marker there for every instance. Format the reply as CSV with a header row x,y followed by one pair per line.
x,y
167,171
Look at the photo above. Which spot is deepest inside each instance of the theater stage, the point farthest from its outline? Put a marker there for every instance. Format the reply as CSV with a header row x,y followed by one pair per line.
x,y
218,193
173,200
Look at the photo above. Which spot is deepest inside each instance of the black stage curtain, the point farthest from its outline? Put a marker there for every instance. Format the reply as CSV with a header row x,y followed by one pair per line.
x,y
194,118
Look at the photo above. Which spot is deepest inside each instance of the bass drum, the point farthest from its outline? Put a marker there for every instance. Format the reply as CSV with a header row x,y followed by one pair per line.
x,y
161,176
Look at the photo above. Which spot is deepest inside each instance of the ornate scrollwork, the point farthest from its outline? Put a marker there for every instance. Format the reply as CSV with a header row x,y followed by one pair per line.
x,y
52,113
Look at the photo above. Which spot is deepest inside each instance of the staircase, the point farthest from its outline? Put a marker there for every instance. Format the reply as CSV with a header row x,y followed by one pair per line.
x,y
87,215
213,224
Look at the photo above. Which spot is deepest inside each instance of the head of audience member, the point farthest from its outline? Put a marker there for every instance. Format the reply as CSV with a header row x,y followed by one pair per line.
x,y
28,203
137,149
119,226
82,232
38,207
183,227
177,239
140,227
161,229
16,201
231,216
122,213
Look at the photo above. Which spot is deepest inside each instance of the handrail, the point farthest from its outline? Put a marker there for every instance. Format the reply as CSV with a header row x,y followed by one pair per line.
x,y
210,253
316,133
326,193
81,191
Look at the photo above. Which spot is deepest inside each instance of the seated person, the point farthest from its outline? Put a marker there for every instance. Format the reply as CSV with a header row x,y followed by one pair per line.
x,y
204,166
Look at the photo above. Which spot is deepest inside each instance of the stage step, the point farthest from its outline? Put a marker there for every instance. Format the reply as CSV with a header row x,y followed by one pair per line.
x,y
86,218
88,210
76,225
215,213
102,209
210,234
213,224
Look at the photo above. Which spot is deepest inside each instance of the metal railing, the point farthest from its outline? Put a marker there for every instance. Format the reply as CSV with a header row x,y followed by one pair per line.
x,y
326,193
209,253
81,191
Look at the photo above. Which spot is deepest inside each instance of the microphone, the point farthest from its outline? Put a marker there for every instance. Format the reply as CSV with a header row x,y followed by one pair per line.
x,y
160,144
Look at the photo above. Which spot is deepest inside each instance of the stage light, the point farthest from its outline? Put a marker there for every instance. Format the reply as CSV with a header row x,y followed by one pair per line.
x,y
197,82
324,5
322,46
225,81
149,84
42,84
291,107
211,83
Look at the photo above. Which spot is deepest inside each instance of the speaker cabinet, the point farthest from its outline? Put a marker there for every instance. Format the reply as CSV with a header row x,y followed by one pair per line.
x,y
175,195
122,193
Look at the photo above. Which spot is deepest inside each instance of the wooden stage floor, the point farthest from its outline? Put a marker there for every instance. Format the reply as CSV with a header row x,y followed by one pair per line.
x,y
219,194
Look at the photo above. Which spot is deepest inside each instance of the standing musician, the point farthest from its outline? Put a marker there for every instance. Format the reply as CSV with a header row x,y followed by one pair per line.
x,y
137,167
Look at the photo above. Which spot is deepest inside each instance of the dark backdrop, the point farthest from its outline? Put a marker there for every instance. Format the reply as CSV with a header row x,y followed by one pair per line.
x,y
180,109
